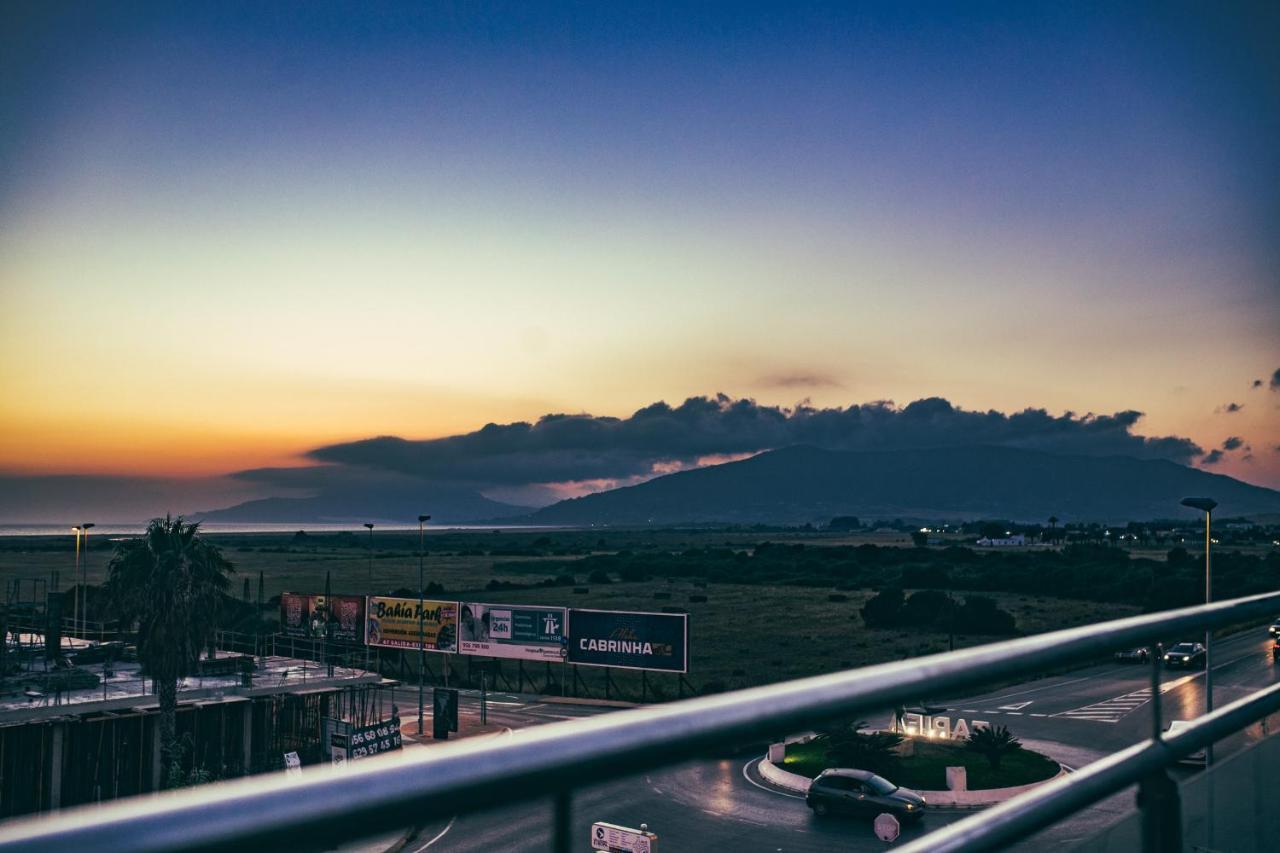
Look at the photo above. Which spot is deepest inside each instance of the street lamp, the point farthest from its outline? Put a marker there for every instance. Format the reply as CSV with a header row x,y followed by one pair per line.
x,y
369,524
82,609
422,646
1206,505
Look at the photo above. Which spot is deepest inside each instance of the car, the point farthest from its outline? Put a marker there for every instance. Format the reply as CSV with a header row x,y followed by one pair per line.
x,y
1274,630
1275,650
1173,728
1189,655
1138,654
863,793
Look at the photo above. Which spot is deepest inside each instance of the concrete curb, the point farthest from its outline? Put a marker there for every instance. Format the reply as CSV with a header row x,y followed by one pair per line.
x,y
788,781
982,797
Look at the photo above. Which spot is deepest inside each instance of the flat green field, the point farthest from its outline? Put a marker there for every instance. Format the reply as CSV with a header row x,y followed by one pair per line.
x,y
740,635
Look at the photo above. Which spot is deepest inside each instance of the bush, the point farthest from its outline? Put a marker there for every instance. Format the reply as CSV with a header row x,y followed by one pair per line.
x,y
848,746
883,609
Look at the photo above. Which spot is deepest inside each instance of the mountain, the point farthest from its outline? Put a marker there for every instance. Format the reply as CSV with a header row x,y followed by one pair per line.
x,y
799,484
391,505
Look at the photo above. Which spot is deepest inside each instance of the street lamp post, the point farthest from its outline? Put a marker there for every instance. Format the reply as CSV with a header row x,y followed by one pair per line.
x,y
1206,505
84,571
76,618
369,524
422,645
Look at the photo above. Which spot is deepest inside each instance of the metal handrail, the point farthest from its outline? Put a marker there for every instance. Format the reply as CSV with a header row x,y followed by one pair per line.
x,y
1026,813
329,805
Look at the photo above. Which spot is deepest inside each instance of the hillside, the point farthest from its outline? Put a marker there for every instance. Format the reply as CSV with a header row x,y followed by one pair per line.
x,y
800,484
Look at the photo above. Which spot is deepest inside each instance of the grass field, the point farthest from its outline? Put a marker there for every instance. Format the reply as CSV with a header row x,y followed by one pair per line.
x,y
925,769
741,635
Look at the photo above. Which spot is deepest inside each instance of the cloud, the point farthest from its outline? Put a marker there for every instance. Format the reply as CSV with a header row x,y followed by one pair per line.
x,y
1274,384
570,452
1213,457
1235,442
800,380
1229,408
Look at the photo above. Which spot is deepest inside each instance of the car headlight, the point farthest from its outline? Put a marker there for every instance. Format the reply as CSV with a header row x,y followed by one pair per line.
x,y
910,807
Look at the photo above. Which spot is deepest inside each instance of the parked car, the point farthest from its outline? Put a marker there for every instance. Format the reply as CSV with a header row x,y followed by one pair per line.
x,y
1189,655
861,792
1176,726
1134,655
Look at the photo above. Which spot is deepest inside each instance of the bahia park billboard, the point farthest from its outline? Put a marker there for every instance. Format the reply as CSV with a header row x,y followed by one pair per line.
x,y
392,623
656,641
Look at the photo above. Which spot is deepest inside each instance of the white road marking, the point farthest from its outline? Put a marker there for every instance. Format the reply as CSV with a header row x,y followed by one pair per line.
x,y
747,776
1014,706
440,835
1039,715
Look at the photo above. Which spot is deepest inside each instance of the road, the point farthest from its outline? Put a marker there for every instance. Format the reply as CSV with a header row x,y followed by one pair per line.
x,y
722,805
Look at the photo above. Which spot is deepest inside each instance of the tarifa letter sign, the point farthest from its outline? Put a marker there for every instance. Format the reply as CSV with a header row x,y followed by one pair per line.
x,y
935,727
392,623
522,632
657,641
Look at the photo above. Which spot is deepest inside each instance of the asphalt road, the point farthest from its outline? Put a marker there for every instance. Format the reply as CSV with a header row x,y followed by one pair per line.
x,y
723,805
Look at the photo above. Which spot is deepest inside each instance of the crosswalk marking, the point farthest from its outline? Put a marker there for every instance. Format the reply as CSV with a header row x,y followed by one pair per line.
x,y
1110,710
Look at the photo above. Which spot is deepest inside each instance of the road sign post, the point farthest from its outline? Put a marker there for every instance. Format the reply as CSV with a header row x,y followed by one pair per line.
x,y
621,839
887,827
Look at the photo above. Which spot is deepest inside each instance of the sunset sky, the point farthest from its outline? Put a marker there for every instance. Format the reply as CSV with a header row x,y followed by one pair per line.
x,y
234,233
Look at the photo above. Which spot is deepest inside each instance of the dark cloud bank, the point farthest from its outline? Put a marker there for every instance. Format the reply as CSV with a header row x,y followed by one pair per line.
x,y
563,448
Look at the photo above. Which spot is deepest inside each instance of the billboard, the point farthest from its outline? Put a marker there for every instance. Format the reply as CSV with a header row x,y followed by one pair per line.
x,y
626,640
511,631
306,616
392,623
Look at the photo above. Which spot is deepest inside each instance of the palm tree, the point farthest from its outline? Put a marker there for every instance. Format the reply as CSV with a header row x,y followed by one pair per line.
x,y
994,742
171,583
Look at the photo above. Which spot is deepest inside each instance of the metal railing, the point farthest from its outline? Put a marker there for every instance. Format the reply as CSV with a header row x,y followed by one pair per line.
x,y
326,806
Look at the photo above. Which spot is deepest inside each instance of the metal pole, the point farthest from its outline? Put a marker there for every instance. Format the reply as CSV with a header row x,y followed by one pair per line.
x,y
1208,632
563,830
76,620
84,571
422,648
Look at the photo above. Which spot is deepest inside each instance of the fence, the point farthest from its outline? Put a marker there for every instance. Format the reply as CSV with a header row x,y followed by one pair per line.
x,y
326,806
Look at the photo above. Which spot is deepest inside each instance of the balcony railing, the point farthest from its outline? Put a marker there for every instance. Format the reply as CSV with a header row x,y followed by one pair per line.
x,y
326,806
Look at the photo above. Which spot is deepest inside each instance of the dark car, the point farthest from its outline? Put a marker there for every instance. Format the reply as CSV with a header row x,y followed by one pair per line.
x,y
1189,655
1275,650
863,793
1274,630
1134,655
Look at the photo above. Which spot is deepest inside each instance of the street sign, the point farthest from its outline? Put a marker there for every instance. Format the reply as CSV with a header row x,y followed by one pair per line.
x,y
444,716
620,839
887,827
292,764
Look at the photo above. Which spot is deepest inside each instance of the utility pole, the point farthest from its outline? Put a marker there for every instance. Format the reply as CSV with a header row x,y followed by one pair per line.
x,y
422,647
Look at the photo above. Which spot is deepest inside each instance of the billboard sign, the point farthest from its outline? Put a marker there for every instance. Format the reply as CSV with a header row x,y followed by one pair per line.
x,y
621,839
392,623
511,631
657,641
307,616
368,741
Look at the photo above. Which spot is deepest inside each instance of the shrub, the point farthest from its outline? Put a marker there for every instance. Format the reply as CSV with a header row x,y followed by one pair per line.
x,y
994,743
883,609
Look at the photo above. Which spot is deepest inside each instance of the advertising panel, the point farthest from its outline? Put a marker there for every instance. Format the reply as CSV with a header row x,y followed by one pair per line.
x,y
392,623
658,641
511,631
306,616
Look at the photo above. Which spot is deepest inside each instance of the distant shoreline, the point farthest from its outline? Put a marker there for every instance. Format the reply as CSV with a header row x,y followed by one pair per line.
x,y
43,530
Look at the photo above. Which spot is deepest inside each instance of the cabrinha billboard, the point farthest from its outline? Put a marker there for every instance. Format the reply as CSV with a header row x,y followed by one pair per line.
x,y
308,616
658,641
392,623
511,631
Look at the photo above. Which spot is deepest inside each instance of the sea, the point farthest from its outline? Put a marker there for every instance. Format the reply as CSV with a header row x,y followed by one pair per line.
x,y
134,529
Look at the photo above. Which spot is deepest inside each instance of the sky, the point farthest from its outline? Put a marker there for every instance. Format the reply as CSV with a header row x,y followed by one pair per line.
x,y
232,236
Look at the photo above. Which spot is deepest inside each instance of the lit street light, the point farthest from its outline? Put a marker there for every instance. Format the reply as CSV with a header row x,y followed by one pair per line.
x,y
422,648
82,597
1206,505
